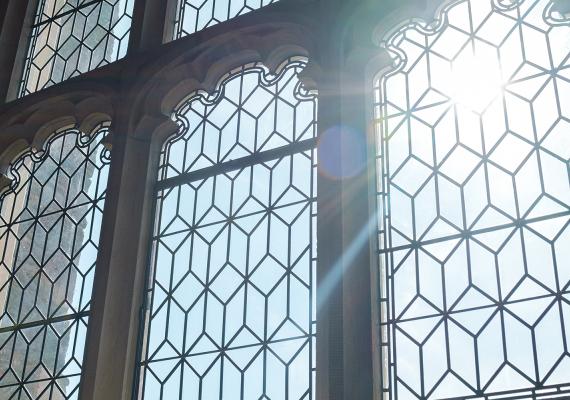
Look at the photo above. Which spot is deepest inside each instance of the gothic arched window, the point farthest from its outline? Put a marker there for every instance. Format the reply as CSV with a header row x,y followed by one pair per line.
x,y
50,221
70,37
232,275
473,128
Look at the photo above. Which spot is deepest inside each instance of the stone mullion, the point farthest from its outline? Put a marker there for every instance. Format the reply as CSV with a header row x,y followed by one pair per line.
x,y
345,233
347,332
15,30
122,260
349,361
152,24
359,236
329,347
3,8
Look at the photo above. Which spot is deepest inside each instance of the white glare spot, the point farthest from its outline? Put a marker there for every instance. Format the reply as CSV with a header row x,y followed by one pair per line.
x,y
476,79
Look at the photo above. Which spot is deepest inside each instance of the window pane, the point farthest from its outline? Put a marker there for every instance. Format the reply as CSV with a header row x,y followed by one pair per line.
x,y
232,286
72,37
52,8
195,15
49,234
249,116
474,193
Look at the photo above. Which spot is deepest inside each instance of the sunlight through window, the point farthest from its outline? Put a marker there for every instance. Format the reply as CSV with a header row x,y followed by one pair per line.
x,y
232,283
473,128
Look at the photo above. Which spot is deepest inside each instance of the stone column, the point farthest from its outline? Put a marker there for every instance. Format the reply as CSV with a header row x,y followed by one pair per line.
x,y
14,31
122,260
347,280
152,24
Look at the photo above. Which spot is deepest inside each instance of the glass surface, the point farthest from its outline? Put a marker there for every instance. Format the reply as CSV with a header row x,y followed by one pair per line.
x,y
232,279
72,37
474,201
195,15
253,113
50,222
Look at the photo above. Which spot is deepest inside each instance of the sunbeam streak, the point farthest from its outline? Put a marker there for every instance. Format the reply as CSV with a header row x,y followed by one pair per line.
x,y
333,278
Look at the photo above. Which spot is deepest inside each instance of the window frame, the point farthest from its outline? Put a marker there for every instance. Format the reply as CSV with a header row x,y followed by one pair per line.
x,y
219,168
138,94
268,35
10,186
378,67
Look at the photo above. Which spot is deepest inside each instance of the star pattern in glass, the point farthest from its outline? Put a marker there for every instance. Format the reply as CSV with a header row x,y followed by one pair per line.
x,y
50,219
474,204
195,15
71,37
231,296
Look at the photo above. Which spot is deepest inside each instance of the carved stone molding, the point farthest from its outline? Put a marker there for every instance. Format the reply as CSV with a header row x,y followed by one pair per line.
x,y
21,148
144,89
28,125
393,16
558,12
366,26
180,75
5,182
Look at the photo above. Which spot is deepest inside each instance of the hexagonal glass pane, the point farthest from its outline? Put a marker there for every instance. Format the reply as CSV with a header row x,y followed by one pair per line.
x,y
474,203
71,37
50,219
231,310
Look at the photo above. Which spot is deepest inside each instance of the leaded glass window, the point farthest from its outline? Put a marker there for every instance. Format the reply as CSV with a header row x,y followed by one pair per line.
x,y
50,220
195,15
474,197
70,37
231,296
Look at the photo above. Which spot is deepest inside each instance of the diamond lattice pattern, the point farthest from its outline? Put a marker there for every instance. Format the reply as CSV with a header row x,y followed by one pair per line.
x,y
195,15
49,234
232,311
71,37
474,190
250,115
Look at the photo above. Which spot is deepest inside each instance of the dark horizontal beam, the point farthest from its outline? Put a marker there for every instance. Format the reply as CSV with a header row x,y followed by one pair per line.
x,y
63,14
236,164
44,322
474,232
